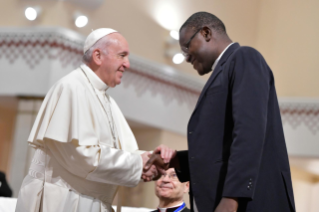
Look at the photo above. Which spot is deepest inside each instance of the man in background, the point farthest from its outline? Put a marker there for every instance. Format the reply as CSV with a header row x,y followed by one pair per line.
x,y
170,192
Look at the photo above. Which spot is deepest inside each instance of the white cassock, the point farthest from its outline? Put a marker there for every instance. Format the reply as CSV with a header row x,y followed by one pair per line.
x,y
78,163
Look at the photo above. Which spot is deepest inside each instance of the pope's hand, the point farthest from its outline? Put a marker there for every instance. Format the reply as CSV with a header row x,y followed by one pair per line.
x,y
151,173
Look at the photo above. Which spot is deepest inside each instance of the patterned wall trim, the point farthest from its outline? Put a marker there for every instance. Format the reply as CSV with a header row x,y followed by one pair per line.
x,y
36,44
297,111
33,45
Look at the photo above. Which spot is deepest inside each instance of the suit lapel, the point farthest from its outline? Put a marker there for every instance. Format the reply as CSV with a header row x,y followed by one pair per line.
x,y
218,69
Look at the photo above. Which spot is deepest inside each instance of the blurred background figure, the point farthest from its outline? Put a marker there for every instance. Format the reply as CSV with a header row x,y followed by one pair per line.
x,y
5,190
170,192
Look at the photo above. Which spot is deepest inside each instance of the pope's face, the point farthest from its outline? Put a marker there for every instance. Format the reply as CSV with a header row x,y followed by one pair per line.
x,y
114,60
169,187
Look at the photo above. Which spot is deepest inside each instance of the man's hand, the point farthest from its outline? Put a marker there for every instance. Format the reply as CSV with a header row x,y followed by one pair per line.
x,y
155,159
161,158
166,153
227,204
151,173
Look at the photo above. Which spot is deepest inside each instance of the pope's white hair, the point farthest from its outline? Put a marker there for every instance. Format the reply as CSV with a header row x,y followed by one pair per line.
x,y
101,44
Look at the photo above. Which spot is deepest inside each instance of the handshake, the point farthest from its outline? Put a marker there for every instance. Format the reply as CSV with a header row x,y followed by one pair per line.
x,y
156,164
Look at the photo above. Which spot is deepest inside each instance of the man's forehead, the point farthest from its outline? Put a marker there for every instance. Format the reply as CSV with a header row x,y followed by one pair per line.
x,y
186,33
171,170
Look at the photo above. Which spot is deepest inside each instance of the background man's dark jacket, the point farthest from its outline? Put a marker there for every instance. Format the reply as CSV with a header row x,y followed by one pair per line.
x,y
5,190
235,138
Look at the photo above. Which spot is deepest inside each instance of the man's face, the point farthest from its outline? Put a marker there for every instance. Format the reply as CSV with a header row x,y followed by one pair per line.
x,y
169,187
114,60
198,49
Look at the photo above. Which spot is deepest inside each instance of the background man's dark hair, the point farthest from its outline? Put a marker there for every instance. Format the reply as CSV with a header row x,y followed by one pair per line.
x,y
201,19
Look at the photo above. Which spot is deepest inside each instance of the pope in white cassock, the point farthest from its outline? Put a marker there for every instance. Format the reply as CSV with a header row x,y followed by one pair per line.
x,y
84,146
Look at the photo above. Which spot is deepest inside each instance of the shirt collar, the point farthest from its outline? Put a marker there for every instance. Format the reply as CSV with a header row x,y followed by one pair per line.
x,y
94,79
220,56
165,209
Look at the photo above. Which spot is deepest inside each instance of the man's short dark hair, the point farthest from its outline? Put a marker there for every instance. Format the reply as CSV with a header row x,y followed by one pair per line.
x,y
201,19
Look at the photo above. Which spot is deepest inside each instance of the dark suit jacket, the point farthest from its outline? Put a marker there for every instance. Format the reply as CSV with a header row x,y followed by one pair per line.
x,y
5,190
235,138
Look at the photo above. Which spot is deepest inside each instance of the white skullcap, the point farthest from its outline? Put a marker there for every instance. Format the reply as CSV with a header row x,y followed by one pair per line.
x,y
96,35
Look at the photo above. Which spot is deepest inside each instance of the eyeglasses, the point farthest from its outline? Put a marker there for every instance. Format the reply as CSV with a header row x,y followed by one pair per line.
x,y
185,49
172,176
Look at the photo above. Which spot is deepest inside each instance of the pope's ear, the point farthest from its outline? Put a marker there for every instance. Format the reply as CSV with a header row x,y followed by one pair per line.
x,y
96,57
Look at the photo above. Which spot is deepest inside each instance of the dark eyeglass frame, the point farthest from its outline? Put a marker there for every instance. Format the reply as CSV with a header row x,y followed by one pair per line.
x,y
185,50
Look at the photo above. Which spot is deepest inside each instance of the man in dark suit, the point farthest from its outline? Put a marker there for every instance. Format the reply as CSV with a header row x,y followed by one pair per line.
x,y
170,192
237,158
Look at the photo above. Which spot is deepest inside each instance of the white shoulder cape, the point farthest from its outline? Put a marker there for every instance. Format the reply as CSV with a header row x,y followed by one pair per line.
x,y
69,112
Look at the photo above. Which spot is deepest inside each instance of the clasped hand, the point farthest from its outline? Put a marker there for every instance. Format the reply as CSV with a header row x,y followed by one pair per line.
x,y
154,165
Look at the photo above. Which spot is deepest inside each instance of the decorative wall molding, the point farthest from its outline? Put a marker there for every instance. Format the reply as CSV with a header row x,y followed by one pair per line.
x,y
300,118
28,50
297,111
35,45
35,58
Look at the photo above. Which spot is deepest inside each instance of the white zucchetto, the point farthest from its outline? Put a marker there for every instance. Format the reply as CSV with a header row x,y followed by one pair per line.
x,y
96,35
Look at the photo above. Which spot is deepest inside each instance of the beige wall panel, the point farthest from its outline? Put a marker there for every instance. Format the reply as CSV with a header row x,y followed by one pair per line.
x,y
287,37
174,141
148,138
8,110
303,184
315,195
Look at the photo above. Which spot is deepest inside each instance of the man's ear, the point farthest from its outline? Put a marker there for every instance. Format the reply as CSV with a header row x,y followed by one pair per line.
x,y
207,33
96,57
186,188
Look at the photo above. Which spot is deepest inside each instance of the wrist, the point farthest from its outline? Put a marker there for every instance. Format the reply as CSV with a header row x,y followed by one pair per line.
x,y
232,202
174,163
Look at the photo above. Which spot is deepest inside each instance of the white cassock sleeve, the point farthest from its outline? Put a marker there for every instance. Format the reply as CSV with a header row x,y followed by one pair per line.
x,y
98,163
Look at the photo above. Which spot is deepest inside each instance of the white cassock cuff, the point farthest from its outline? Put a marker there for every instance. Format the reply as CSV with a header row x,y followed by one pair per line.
x,y
117,167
